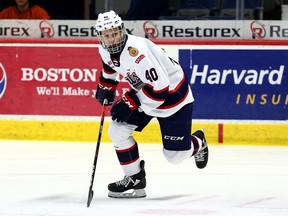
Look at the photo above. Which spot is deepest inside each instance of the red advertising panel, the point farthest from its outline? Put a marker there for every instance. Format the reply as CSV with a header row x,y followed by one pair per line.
x,y
43,79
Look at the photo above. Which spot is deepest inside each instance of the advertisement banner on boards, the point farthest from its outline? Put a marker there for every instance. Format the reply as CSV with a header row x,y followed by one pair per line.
x,y
238,83
50,80
247,83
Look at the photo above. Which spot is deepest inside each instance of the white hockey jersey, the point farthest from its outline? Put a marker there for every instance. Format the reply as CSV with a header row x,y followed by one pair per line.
x,y
160,82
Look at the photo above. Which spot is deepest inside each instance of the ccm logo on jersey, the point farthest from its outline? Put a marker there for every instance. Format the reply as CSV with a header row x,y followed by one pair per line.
x,y
174,138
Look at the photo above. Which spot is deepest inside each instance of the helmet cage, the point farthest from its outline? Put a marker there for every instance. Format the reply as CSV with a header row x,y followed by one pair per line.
x,y
118,34
109,24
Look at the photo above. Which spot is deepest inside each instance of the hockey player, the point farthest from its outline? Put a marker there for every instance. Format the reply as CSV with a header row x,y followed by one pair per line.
x,y
159,89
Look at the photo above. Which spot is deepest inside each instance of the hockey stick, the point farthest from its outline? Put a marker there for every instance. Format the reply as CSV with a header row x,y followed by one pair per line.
x,y
91,193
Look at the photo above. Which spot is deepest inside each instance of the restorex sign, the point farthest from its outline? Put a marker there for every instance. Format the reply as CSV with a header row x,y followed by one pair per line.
x,y
156,29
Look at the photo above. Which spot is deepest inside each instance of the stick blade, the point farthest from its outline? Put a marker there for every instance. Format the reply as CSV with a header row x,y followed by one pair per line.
x,y
90,197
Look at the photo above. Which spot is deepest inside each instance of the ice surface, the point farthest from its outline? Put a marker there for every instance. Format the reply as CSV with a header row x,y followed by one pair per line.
x,y
52,179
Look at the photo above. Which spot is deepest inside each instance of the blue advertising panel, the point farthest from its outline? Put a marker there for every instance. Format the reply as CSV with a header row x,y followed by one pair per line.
x,y
238,83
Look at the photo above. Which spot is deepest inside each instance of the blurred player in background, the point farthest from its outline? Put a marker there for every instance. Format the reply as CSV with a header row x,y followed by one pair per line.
x,y
24,9
159,88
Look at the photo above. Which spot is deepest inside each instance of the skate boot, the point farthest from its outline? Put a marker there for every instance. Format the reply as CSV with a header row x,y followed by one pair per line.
x,y
130,186
201,158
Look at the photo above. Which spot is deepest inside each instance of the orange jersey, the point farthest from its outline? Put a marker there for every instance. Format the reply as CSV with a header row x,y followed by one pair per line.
x,y
34,12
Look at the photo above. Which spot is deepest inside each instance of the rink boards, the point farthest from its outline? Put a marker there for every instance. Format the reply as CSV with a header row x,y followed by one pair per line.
x,y
243,133
47,90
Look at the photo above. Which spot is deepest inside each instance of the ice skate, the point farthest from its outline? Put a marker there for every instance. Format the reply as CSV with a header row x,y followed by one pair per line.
x,y
130,186
201,158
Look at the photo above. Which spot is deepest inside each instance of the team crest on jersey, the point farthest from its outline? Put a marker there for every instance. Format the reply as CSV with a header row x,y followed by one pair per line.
x,y
133,51
134,80
3,80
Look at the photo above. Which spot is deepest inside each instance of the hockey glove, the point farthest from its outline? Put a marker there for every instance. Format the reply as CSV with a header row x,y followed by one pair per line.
x,y
123,109
106,89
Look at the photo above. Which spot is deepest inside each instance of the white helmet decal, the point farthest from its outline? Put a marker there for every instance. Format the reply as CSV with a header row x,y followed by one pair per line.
x,y
108,20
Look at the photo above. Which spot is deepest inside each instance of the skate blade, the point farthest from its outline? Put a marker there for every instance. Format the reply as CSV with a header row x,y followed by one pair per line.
x,y
139,193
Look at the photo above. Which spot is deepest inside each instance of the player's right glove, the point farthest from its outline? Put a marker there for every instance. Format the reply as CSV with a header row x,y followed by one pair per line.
x,y
106,89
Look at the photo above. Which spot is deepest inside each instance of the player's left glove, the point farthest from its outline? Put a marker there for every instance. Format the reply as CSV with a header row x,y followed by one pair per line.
x,y
123,108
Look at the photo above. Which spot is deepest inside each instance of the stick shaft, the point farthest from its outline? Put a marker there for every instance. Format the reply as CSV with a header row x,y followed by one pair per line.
x,y
90,194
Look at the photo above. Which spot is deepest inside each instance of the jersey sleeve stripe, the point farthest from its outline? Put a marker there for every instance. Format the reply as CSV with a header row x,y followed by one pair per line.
x,y
107,69
156,95
177,95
